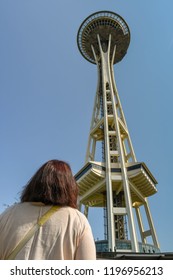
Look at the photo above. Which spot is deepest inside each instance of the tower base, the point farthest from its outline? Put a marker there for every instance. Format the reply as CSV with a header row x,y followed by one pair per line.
x,y
92,184
125,247
134,256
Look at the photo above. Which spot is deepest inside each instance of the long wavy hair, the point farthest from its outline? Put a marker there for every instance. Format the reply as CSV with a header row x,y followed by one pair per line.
x,y
52,184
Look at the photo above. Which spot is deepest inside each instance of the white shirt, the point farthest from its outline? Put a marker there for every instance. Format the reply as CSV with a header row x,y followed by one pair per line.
x,y
65,236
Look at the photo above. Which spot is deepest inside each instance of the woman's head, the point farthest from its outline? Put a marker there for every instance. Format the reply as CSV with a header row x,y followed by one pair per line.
x,y
53,183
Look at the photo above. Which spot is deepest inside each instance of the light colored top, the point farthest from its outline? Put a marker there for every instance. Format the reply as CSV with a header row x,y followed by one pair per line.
x,y
65,236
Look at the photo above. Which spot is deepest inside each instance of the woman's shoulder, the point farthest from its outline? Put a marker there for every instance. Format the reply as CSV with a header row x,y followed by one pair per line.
x,y
17,210
8,213
74,211
77,216
10,208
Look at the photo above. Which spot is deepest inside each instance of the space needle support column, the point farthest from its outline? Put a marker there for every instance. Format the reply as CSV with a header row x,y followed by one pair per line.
x,y
107,78
111,229
153,232
123,167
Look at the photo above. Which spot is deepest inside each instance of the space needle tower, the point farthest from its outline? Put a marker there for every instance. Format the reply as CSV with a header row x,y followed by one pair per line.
x,y
111,177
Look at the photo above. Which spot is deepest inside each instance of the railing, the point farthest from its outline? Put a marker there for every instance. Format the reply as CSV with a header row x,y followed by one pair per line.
x,y
125,245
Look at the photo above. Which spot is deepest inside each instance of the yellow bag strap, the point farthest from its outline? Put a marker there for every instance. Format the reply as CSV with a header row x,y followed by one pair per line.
x,y
47,215
31,232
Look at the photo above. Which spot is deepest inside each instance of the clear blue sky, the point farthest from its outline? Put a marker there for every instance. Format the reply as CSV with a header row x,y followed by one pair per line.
x,y
47,92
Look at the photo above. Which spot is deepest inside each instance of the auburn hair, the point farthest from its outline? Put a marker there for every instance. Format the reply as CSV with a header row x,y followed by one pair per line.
x,y
53,184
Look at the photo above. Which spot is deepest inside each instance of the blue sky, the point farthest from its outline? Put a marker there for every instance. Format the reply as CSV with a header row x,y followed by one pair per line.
x,y
47,92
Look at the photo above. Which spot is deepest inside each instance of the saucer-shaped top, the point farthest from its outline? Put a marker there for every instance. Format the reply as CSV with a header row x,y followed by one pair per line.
x,y
103,23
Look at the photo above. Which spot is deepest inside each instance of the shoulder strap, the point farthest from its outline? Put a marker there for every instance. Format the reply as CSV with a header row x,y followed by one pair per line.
x,y
47,215
31,232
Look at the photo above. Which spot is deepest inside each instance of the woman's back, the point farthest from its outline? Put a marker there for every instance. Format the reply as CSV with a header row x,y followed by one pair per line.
x,y
65,236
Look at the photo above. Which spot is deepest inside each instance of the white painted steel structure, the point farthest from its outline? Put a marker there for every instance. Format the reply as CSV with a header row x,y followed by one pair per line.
x,y
119,183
